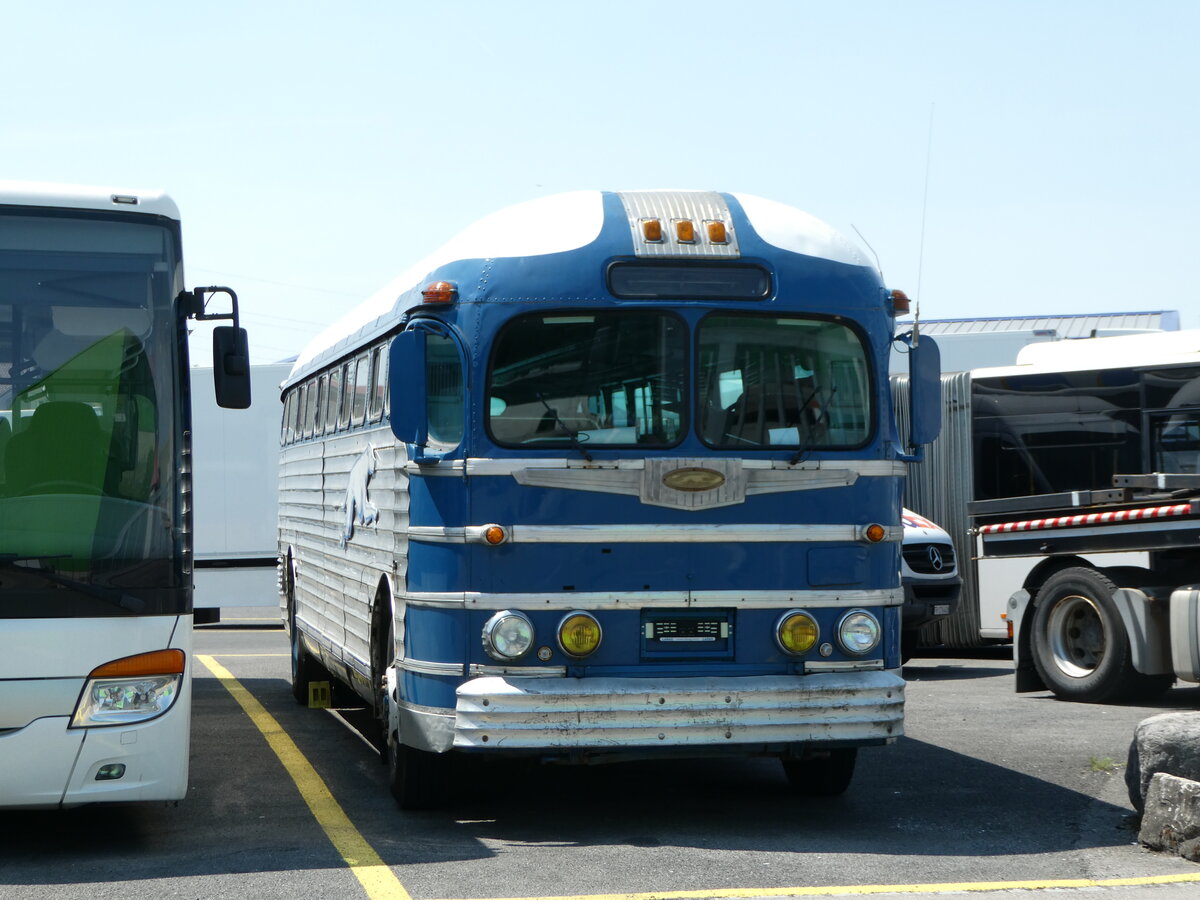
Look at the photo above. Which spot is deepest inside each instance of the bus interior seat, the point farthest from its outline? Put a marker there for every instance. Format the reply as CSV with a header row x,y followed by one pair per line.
x,y
62,449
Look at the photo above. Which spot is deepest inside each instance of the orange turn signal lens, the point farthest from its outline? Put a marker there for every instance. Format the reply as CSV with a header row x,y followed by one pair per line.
x,y
717,233
900,301
685,231
440,292
157,662
494,534
652,230
874,533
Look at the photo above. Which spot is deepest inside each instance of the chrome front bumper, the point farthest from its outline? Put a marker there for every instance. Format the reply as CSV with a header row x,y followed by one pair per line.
x,y
528,714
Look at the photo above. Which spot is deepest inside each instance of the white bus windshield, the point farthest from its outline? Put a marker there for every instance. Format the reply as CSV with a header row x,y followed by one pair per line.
x,y
87,464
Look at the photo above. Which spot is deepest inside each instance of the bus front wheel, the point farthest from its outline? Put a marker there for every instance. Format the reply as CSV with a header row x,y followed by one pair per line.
x,y
304,667
824,773
416,778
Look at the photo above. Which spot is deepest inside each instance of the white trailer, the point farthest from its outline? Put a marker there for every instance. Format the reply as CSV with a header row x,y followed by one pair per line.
x,y
235,495
1043,475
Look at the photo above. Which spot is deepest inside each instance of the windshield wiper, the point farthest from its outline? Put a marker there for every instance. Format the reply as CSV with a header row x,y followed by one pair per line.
x,y
572,433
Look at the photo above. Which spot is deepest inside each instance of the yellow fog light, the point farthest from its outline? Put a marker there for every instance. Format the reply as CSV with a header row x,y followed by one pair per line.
x,y
797,632
579,634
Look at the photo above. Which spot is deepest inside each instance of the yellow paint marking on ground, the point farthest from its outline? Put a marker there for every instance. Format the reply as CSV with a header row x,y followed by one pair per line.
x,y
377,879
866,889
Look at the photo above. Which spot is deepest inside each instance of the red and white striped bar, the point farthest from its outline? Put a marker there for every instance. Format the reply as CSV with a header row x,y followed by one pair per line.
x,y
1102,518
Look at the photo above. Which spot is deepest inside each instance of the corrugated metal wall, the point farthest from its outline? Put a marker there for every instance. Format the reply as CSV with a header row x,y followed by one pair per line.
x,y
939,489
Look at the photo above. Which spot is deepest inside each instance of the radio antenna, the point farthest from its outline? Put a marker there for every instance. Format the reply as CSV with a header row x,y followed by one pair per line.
x,y
872,249
924,211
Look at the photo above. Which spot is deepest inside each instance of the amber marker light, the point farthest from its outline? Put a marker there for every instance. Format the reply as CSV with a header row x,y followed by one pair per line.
x,y
495,534
874,532
717,233
685,231
900,302
440,292
652,230
157,662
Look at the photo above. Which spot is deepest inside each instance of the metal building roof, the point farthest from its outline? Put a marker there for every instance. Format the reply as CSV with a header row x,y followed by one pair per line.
x,y
1068,326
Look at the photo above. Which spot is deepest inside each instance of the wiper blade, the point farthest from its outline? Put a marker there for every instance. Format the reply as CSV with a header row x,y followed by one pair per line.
x,y
572,434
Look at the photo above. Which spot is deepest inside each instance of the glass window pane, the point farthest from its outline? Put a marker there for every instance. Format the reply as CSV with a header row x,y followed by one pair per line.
x,y
604,378
444,382
377,383
361,385
347,394
335,400
767,381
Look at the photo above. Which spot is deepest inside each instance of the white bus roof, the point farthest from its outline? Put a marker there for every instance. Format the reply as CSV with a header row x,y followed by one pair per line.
x,y
522,230
1156,348
76,196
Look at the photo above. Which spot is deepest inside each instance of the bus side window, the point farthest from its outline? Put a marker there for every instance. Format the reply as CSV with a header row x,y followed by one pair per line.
x,y
378,383
319,414
335,400
361,385
347,395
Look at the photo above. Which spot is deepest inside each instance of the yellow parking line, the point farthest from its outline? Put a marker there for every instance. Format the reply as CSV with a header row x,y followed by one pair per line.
x,y
865,889
381,883
377,879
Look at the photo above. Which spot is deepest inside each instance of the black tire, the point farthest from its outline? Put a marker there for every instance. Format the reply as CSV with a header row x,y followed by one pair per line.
x,y
1080,647
823,774
305,670
417,779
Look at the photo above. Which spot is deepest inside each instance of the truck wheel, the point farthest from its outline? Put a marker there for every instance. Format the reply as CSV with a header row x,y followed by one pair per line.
x,y
824,774
1080,647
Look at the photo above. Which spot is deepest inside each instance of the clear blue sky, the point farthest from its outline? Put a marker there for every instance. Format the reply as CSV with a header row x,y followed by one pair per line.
x,y
317,149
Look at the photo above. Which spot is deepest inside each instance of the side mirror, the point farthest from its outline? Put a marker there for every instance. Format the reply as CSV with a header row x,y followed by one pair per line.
x,y
925,386
231,367
406,368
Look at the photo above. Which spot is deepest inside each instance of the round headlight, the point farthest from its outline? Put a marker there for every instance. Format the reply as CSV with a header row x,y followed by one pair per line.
x,y
858,632
797,632
508,635
579,634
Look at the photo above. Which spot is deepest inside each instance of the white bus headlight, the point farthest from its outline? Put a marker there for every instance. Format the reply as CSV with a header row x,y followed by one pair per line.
x,y
858,632
507,635
130,690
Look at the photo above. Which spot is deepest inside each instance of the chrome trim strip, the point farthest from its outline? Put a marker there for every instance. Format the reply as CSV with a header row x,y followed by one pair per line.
x,y
484,466
651,534
424,667
475,670
593,600
849,665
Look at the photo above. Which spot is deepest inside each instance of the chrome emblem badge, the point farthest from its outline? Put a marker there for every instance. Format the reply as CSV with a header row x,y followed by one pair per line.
x,y
935,558
693,479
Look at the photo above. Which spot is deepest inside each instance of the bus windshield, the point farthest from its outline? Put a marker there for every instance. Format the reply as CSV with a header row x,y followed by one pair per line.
x,y
601,378
87,464
782,381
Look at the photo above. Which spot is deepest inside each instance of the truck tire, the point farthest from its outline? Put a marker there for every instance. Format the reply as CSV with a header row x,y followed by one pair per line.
x,y
1080,647
824,774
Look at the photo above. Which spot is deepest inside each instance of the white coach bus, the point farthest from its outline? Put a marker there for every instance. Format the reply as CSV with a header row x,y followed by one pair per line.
x,y
95,537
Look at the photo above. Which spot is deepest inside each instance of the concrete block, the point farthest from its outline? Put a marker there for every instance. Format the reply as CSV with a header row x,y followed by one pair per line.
x,y
1171,820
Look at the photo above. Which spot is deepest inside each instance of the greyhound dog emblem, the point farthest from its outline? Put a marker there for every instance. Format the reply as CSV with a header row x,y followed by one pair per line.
x,y
359,508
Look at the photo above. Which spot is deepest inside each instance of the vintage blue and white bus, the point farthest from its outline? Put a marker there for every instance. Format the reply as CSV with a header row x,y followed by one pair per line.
x,y
95,538
612,475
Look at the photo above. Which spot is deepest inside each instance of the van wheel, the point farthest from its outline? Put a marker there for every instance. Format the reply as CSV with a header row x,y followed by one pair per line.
x,y
1080,647
825,773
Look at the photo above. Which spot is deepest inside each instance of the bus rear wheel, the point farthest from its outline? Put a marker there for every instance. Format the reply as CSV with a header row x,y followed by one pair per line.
x,y
824,773
304,668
